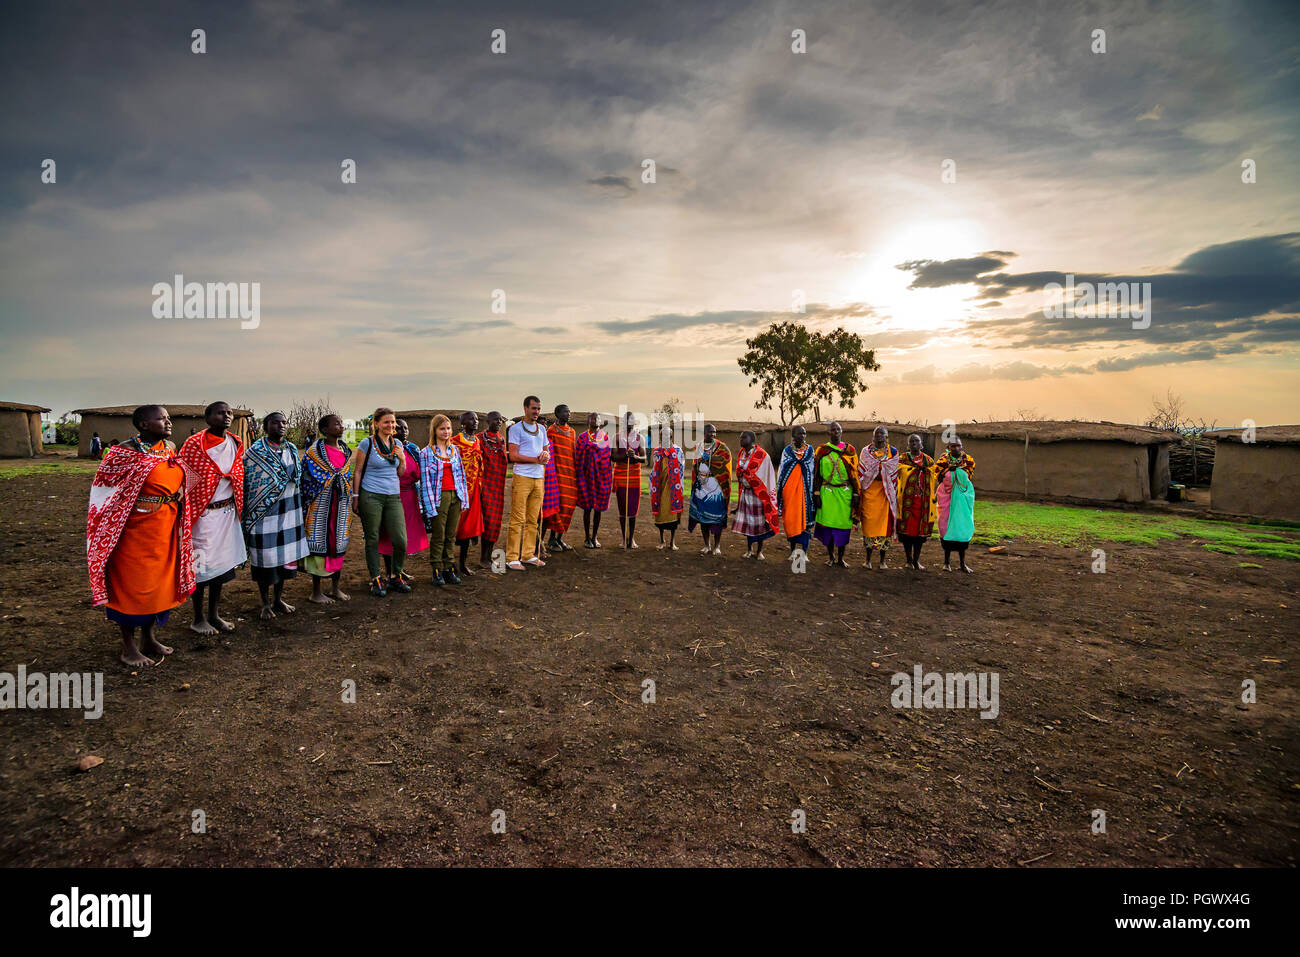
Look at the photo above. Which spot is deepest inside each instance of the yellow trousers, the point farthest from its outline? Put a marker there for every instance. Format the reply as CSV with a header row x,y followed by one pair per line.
x,y
525,507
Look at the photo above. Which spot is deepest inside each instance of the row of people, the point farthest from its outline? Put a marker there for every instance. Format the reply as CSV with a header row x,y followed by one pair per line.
x,y
164,525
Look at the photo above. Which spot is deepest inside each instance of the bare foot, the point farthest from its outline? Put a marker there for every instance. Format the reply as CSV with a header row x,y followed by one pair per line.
x,y
673,547
321,599
266,613
285,607
340,595
918,566
841,563
465,571
634,544
883,565
947,567
132,657
203,627
967,569
154,647
661,546
718,550
220,624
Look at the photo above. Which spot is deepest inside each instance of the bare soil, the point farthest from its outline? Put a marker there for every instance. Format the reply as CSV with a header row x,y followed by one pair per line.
x,y
1119,692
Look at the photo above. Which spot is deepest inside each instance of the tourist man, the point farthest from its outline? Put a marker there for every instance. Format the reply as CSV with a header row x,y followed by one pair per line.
x,y
526,442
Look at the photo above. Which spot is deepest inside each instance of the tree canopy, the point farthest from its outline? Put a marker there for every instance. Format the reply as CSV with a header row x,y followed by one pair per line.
x,y
796,369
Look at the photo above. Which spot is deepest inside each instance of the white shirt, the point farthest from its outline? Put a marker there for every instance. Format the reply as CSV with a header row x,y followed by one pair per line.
x,y
529,445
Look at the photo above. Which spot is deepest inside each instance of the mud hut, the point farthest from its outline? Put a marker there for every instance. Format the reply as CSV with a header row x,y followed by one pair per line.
x,y
20,430
1091,461
113,423
1257,477
858,432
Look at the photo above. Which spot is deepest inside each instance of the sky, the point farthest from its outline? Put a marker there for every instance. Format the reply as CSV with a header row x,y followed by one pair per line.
x,y
780,176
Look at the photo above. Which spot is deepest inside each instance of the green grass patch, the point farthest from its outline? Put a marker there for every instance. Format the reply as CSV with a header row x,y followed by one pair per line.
x,y
9,468
1079,527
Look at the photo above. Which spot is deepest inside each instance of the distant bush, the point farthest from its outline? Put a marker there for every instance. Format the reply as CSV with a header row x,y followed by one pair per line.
x,y
67,431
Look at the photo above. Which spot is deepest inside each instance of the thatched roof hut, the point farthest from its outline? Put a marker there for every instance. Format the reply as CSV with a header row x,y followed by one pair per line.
x,y
1092,461
113,423
1256,474
20,430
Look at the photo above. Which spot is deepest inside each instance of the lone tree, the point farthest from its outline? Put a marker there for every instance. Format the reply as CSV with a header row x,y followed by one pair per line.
x,y
796,369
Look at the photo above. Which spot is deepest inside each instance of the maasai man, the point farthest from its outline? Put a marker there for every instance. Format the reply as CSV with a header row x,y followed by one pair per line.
x,y
529,451
409,484
878,485
595,477
628,454
794,489
955,503
378,464
916,505
214,489
326,490
835,493
492,490
273,525
710,489
550,491
757,515
444,492
138,535
471,460
666,498
563,442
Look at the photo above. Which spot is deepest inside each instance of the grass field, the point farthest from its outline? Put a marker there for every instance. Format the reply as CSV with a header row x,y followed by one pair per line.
x,y
1078,527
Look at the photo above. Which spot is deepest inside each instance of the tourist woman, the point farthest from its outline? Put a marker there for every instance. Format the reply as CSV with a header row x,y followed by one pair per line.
x,y
757,516
794,489
835,493
470,528
710,489
138,536
326,490
595,477
377,466
214,490
878,485
272,521
666,499
955,503
416,539
444,492
916,506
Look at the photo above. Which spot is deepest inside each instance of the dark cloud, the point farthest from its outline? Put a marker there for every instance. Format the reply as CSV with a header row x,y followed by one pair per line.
x,y
1248,287
930,273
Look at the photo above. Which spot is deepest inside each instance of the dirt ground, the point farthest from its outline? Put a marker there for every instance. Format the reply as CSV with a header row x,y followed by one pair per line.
x,y
1119,692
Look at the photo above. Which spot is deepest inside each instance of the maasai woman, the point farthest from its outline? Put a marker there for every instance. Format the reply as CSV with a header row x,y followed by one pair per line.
x,y
666,499
326,489
710,489
471,459
563,442
916,506
835,493
214,489
138,536
444,492
595,477
628,454
378,465
492,491
757,515
409,484
794,489
955,503
273,525
878,486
